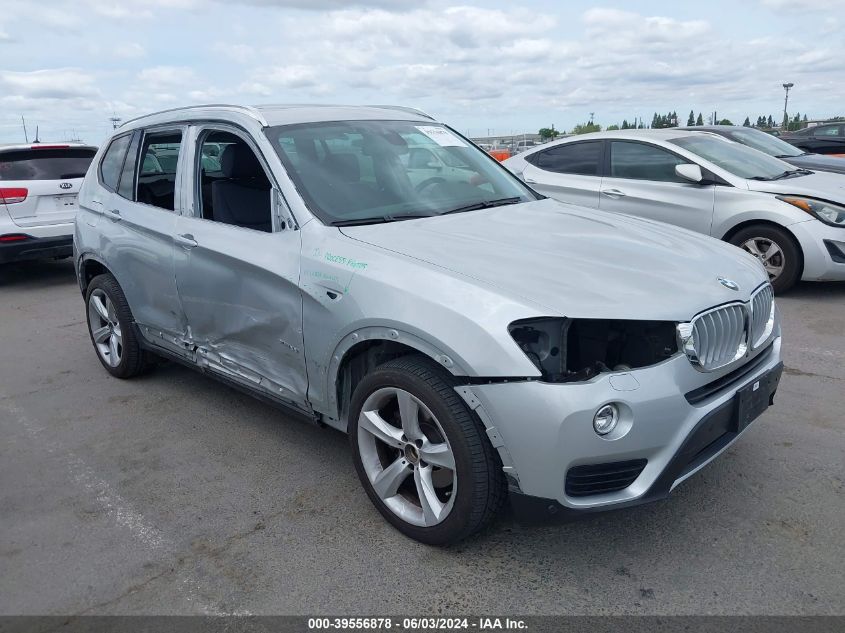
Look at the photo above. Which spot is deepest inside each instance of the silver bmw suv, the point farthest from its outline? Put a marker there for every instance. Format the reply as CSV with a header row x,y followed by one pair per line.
x,y
371,269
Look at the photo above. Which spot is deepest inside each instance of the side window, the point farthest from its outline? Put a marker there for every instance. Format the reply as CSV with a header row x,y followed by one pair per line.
x,y
112,161
638,161
157,176
571,158
233,186
831,130
126,186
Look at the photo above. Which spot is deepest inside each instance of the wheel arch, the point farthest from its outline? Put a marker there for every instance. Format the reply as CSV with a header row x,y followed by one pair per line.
x,y
362,350
89,267
775,225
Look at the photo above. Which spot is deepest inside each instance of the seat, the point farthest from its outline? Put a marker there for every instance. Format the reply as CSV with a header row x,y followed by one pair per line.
x,y
242,196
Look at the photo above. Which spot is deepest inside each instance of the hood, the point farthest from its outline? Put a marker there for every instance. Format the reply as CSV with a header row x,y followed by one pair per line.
x,y
820,184
575,261
818,161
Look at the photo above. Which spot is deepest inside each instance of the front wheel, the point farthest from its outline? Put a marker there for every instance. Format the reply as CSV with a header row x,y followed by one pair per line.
x,y
776,250
420,453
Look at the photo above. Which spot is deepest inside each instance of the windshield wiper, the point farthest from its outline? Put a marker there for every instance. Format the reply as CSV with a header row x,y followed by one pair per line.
x,y
792,172
381,219
485,204
787,174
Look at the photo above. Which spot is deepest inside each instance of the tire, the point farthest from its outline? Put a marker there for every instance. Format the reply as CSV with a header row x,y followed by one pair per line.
x,y
477,480
113,318
788,259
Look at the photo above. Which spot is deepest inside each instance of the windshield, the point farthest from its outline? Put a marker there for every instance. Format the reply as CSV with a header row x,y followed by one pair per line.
x,y
351,171
765,143
737,159
45,164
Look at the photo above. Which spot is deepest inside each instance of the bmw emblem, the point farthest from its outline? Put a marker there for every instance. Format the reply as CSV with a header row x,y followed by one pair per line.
x,y
65,185
727,283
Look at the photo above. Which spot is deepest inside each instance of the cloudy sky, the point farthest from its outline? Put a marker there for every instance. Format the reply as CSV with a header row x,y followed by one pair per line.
x,y
69,65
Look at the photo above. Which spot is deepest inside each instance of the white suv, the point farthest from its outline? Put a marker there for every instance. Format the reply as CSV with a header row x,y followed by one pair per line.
x,y
39,184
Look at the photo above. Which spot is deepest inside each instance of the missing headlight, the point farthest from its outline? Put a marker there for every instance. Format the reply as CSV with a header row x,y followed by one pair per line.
x,y
571,350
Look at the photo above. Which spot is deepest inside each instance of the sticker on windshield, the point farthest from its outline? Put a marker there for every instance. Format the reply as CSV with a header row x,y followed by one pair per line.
x,y
441,136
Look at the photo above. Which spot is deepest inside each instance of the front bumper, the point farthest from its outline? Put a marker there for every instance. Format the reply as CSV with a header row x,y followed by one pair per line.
x,y
823,247
36,248
676,422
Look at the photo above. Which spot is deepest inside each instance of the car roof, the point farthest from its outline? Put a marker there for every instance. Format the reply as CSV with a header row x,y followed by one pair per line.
x,y
662,134
716,128
16,147
283,114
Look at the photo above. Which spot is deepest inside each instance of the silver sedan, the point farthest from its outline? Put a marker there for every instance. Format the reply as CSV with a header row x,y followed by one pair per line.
x,y
791,219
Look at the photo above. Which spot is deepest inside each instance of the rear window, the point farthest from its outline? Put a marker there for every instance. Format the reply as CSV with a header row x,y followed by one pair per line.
x,y
45,164
570,158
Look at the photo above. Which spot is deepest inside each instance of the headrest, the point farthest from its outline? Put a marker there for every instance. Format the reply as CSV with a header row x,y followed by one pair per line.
x,y
239,161
345,167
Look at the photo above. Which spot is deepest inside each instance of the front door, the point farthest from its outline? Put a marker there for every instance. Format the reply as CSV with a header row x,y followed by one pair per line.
x,y
237,268
641,181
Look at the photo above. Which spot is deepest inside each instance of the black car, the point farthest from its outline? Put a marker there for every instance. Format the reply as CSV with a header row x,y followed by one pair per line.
x,y
828,138
774,146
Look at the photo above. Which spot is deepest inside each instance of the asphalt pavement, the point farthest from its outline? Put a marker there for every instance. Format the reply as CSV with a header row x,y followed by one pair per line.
x,y
173,494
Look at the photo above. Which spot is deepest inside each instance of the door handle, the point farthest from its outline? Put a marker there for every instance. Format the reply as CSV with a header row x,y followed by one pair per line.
x,y
185,239
529,181
613,193
114,214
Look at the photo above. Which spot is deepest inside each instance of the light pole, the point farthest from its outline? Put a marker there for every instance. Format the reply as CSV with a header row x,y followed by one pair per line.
x,y
786,87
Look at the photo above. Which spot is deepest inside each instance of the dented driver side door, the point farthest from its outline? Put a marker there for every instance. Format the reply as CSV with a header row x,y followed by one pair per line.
x,y
239,289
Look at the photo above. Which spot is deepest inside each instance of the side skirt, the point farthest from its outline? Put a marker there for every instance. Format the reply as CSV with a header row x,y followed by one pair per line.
x,y
290,408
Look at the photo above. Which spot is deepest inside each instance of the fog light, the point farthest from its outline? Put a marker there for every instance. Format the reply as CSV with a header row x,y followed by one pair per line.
x,y
606,419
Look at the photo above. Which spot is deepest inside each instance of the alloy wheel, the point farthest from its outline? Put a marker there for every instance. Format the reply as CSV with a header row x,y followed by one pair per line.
x,y
769,254
105,327
407,457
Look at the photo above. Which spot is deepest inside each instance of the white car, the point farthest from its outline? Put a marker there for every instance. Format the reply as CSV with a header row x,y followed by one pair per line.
x,y
791,219
476,342
39,184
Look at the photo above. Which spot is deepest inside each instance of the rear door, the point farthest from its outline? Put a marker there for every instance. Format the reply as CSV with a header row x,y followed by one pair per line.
x,y
46,181
569,172
640,180
138,202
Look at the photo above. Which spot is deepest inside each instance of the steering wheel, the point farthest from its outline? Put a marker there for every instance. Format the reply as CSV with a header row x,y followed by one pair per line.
x,y
425,184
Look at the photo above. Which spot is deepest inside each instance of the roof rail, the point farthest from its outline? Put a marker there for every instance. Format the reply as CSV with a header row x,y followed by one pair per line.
x,y
408,109
248,110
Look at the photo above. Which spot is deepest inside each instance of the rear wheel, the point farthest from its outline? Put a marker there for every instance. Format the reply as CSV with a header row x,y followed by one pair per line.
x,y
110,325
775,249
420,453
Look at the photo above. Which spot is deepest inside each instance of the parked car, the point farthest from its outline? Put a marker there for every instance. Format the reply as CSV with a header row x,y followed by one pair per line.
x,y
38,187
791,219
828,138
774,146
475,340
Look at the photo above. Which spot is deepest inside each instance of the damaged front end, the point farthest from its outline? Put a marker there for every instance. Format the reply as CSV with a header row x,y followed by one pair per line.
x,y
576,350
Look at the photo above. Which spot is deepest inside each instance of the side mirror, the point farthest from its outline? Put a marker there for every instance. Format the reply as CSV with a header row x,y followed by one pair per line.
x,y
689,172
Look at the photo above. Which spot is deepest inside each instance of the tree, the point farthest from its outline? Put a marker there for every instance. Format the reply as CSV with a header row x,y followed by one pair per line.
x,y
612,127
547,133
584,128
625,124
747,122
724,122
691,118
699,120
